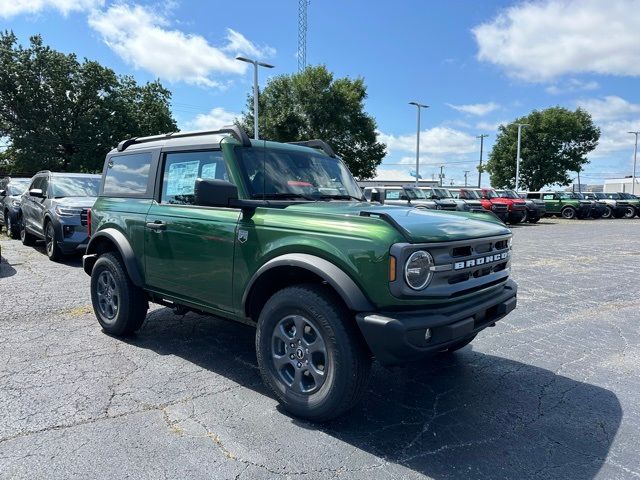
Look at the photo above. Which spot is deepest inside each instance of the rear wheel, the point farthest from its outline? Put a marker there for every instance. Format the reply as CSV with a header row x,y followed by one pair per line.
x,y
608,212
568,213
51,242
119,305
310,352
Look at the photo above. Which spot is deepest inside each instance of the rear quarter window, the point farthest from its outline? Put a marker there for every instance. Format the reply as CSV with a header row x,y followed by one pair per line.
x,y
127,175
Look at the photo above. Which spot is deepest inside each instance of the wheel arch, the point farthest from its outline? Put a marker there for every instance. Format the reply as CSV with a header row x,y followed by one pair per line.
x,y
112,240
295,268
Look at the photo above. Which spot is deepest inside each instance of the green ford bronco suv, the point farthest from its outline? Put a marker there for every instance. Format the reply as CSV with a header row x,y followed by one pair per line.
x,y
280,236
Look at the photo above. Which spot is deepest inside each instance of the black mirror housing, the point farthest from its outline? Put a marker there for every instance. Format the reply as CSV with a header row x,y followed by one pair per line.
x,y
215,193
3,193
375,196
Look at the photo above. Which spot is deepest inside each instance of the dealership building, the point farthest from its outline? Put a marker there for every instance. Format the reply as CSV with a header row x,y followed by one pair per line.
x,y
614,185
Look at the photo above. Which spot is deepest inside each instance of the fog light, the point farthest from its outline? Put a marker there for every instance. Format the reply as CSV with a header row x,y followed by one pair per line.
x,y
427,335
67,230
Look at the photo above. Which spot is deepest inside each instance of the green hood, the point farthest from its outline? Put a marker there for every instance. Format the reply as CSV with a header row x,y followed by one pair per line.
x,y
415,224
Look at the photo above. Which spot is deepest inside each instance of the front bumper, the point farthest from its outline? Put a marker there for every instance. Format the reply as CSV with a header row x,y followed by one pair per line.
x,y
536,211
398,337
516,216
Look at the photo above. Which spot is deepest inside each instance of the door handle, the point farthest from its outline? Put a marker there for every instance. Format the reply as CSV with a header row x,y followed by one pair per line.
x,y
157,225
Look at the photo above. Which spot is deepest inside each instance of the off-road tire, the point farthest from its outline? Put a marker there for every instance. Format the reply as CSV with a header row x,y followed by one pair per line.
x,y
348,361
630,212
458,345
132,304
51,242
608,213
26,238
568,213
533,220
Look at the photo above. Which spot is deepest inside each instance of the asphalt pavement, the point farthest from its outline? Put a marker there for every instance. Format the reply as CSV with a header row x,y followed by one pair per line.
x,y
553,391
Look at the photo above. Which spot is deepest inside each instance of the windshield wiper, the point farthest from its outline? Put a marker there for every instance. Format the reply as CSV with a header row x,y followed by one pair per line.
x,y
339,197
281,195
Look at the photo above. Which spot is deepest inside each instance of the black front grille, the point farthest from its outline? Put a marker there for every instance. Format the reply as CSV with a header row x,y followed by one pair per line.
x,y
83,217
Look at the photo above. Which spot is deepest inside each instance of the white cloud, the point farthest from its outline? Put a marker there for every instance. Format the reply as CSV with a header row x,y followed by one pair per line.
x,y
572,85
11,8
539,41
144,39
437,141
615,137
490,126
214,119
387,174
476,108
609,108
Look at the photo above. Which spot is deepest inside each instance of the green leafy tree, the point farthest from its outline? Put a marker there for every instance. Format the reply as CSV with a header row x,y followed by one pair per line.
x,y
65,115
553,146
312,104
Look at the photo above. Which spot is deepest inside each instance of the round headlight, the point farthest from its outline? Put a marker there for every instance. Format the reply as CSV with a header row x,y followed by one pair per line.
x,y
417,270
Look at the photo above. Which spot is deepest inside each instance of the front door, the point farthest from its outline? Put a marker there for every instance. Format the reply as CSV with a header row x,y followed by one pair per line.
x,y
551,202
189,249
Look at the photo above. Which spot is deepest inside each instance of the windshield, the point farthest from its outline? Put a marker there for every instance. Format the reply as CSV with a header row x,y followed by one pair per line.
x,y
415,193
280,173
509,194
489,193
469,194
576,195
599,195
613,196
18,186
442,192
76,186
627,196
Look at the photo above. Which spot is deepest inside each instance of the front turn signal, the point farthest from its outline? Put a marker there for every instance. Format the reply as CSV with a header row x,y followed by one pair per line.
x,y
392,268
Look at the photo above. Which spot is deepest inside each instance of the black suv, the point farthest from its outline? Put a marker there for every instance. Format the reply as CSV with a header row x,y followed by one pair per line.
x,y
11,190
55,209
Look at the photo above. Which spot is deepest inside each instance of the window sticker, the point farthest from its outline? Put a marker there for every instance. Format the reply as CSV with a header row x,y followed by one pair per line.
x,y
209,170
182,178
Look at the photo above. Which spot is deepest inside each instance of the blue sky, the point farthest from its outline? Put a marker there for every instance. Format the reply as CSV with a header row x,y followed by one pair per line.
x,y
477,64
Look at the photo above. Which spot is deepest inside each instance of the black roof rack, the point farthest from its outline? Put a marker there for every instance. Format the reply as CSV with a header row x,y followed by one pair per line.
x,y
321,144
234,130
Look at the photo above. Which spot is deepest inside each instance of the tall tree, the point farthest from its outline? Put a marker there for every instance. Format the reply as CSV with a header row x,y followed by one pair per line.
x,y
554,145
312,104
62,114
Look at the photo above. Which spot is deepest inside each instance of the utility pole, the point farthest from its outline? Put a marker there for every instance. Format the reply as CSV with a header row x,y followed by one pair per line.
x,y
520,125
418,107
441,174
481,137
255,64
466,172
635,154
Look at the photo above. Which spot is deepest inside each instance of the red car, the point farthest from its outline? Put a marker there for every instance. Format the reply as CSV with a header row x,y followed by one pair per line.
x,y
500,209
517,207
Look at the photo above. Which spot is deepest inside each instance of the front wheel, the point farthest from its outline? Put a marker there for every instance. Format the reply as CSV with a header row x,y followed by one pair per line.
x,y
568,213
629,212
533,219
26,238
310,352
608,212
119,305
51,243
13,230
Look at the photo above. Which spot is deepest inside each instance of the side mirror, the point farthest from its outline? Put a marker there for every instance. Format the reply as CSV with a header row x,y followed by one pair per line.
x,y
36,192
375,196
3,193
215,193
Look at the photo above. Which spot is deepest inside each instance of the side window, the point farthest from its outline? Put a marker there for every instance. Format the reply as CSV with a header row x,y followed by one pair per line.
x,y
181,169
44,186
392,195
36,183
127,174
548,196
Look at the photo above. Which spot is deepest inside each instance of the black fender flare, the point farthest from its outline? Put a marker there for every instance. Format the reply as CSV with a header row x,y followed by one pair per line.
x,y
117,238
342,283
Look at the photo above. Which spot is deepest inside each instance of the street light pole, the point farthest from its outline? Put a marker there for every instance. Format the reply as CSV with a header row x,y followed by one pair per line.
x,y
520,125
418,107
255,64
465,177
441,174
481,137
635,154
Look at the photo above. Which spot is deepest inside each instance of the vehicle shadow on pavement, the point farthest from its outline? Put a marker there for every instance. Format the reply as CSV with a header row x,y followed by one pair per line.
x,y
463,415
6,269
73,260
